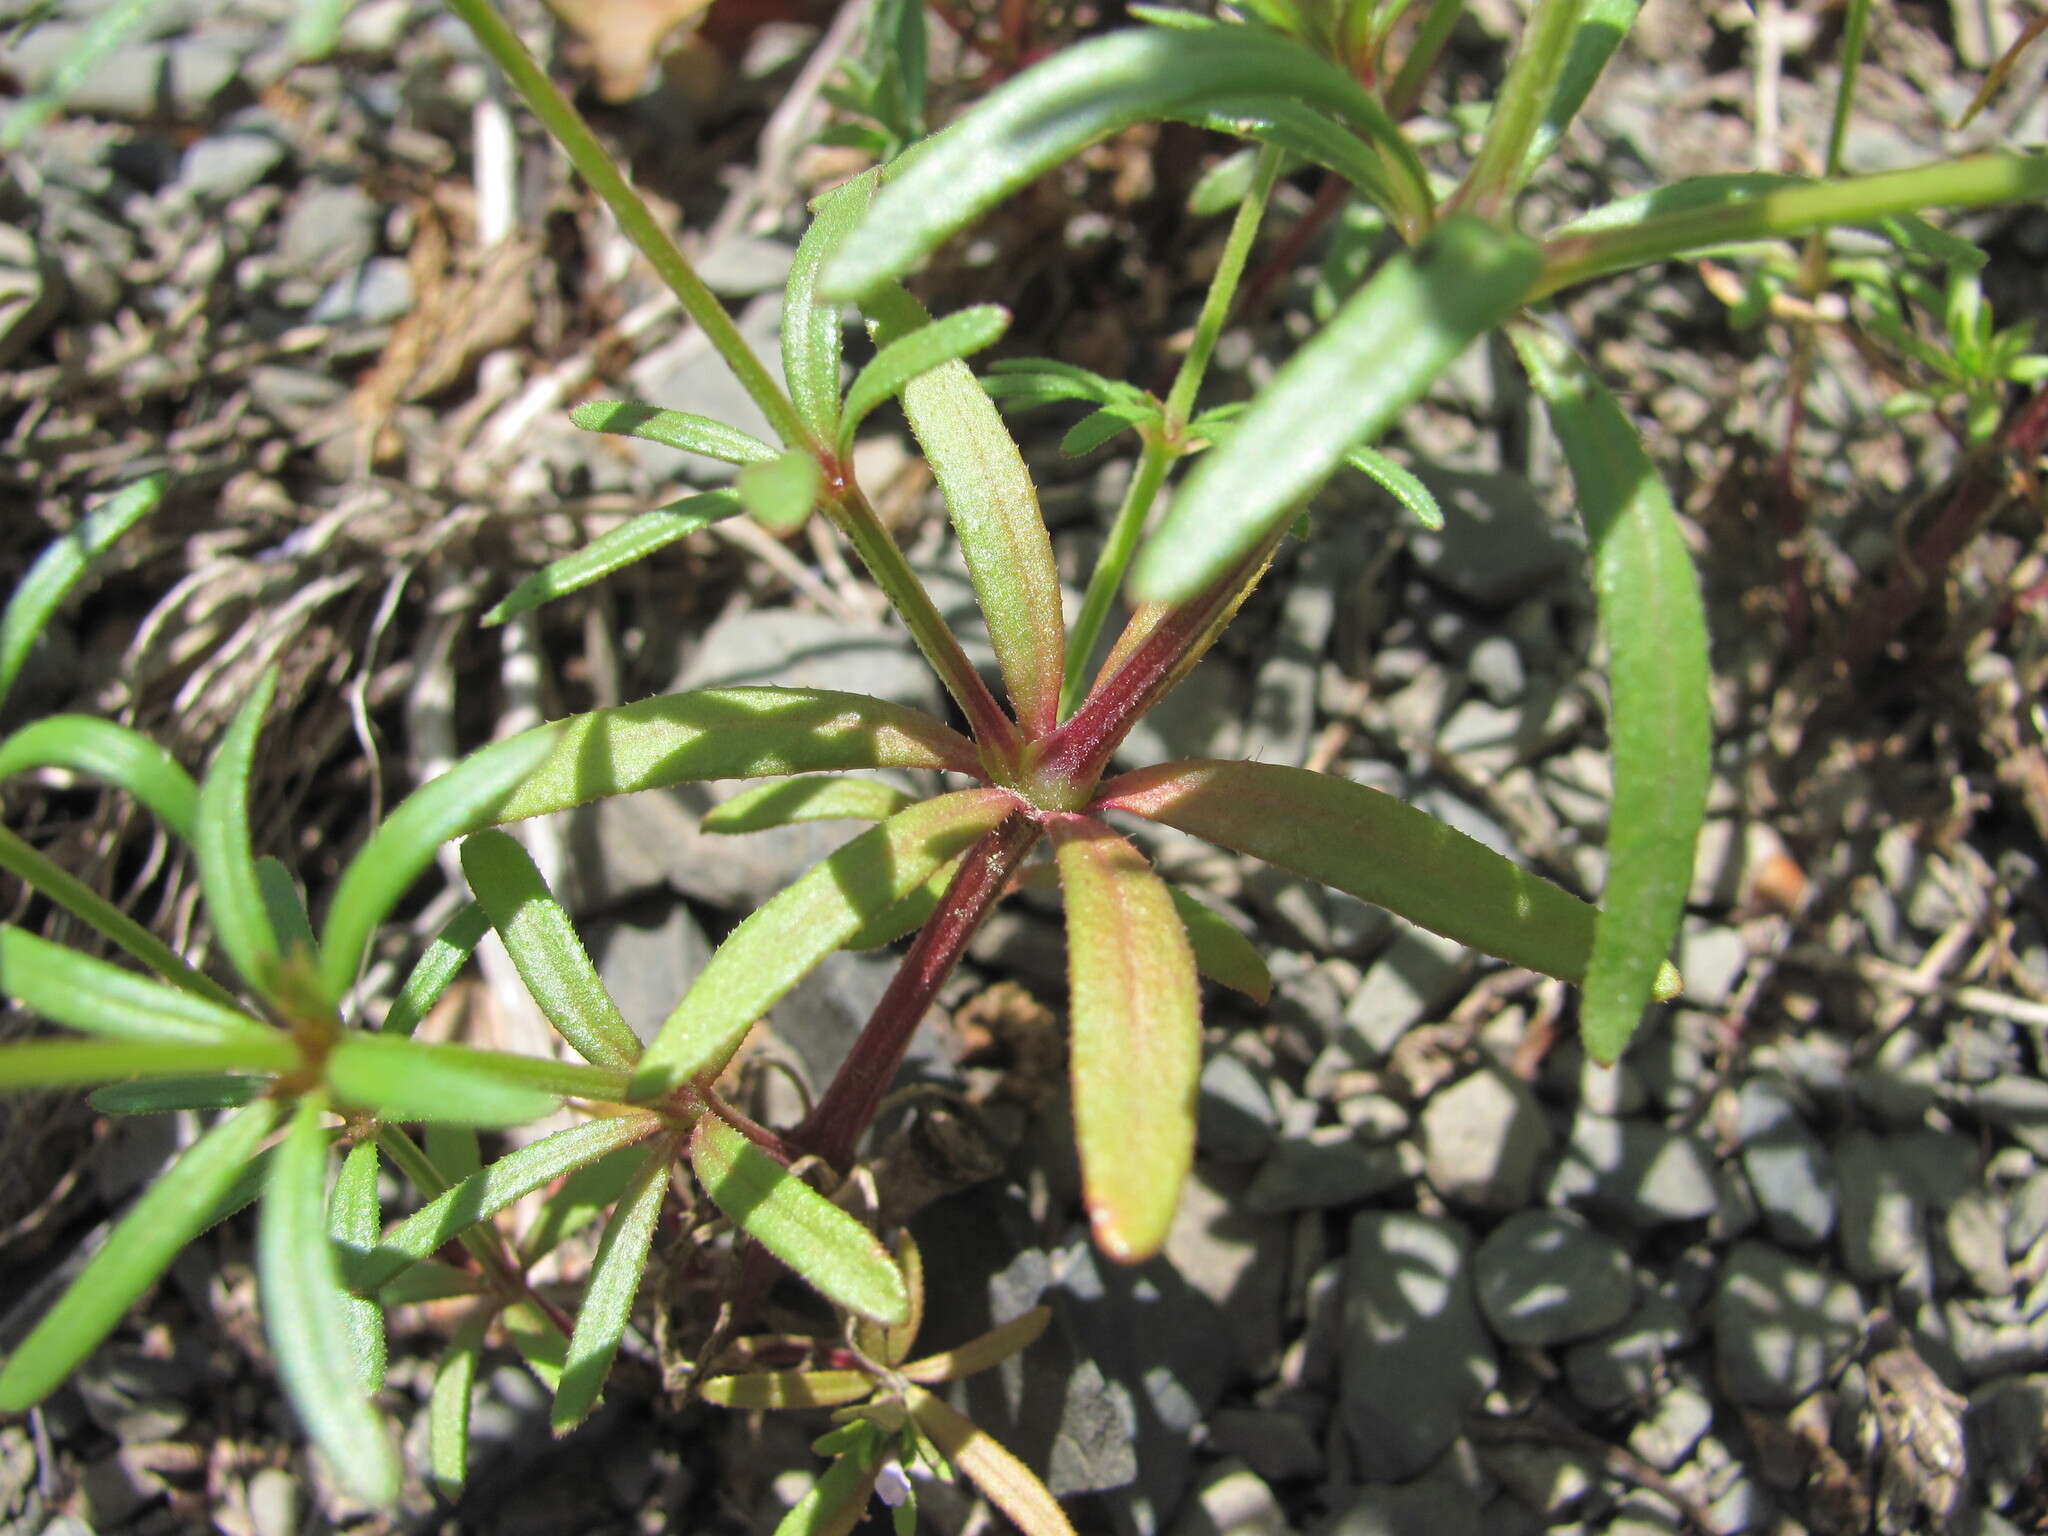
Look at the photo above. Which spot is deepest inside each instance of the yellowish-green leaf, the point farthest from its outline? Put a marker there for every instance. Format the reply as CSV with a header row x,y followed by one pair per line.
x,y
1010,1485
1222,954
818,797
400,1079
608,1295
672,429
781,493
448,1409
608,553
788,1389
983,1353
68,987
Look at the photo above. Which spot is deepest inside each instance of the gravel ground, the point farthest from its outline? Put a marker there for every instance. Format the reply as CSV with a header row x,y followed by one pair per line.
x,y
1785,1269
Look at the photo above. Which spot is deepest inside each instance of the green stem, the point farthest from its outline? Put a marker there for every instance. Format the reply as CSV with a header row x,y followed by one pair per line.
x,y
1518,111
1786,211
993,730
1162,448
1431,38
568,129
1855,23
1153,462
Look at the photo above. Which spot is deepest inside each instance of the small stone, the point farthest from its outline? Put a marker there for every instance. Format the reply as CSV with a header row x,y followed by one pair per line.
x,y
1225,1251
1667,1434
376,293
1781,1328
31,293
1730,858
742,265
1274,1443
1374,1117
1711,959
1234,1115
1627,1364
117,1488
1498,543
1416,1355
222,166
1431,1506
1580,786
1789,1170
1495,667
1640,1171
273,1502
1545,1278
1974,1230
2028,1223
1483,737
1902,1082
2018,1105
1328,1166
2009,1422
647,959
1483,1140
1882,1233
1410,980
327,230
1545,1478
1232,1501
1465,817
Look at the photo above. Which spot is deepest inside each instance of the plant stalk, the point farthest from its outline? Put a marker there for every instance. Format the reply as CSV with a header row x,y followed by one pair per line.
x,y
1430,40
1519,110
1154,459
1237,247
568,129
833,1129
1975,182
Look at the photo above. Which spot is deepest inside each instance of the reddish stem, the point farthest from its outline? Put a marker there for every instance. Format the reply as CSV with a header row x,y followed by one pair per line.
x,y
834,1128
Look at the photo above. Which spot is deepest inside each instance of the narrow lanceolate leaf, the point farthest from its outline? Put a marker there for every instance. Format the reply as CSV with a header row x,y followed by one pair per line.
x,y
779,943
837,1502
824,1245
1378,354
544,947
673,429
631,541
811,335
1661,727
788,1389
1376,847
58,569
583,1196
779,495
1399,483
49,878
994,508
1136,1037
171,1212
1222,954
220,844
80,1063
492,1188
168,1095
125,758
287,908
399,1079
353,1221
1086,93
305,1316
608,1294
914,353
822,797
981,1353
892,1344
439,965
1600,32
1010,1485
70,988
448,1409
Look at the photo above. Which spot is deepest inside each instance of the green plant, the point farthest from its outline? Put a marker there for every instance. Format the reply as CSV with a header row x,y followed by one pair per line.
x,y
294,1047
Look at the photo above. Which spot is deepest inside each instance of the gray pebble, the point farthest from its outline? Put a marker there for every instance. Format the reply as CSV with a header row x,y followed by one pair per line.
x,y
1411,979
647,960
1495,667
1667,1433
1327,1166
1711,959
1483,1140
2006,1420
222,166
1232,1501
273,1502
1274,1443
1551,1481
1483,737
1789,1170
1498,543
1546,1278
1882,1233
1235,1118
2028,1223
741,266
2018,1105
1431,1506
1635,1169
1416,1355
1781,1328
328,230
1973,1229
376,293
31,293
1374,1117
1625,1364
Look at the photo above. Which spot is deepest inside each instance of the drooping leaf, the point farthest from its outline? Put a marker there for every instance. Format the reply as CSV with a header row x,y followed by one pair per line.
x,y
396,1078
811,334
169,1094
782,940
170,1212
353,1221
71,988
1600,32
305,1316
1136,1037
608,1295
788,1389
1375,847
51,879
1222,954
1010,1485
63,562
86,1063
543,945
994,507
1083,94
837,1502
820,797
491,1189
893,1343
983,1352
826,1247
285,906
1662,723
632,541
439,965
124,758
448,1408
1399,483
914,353
673,429
220,845
1379,353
